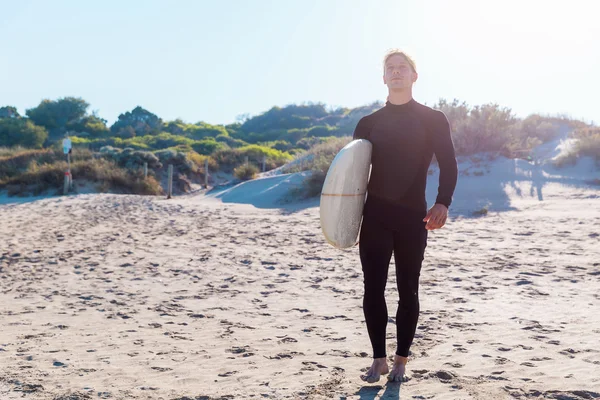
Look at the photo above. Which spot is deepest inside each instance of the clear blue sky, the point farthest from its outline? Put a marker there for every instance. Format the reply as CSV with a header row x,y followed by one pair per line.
x,y
214,60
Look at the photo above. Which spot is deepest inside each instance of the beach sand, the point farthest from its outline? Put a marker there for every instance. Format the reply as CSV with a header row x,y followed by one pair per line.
x,y
203,297
130,297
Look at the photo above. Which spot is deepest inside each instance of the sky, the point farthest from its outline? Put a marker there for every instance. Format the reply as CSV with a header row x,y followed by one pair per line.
x,y
214,61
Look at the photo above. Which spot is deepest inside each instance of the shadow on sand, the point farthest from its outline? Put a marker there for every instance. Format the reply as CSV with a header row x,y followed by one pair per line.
x,y
275,192
488,186
482,186
392,392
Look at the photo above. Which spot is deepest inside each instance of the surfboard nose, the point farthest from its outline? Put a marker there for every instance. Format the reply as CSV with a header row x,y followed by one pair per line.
x,y
343,194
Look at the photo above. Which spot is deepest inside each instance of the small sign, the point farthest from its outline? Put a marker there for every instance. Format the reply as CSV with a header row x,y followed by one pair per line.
x,y
67,145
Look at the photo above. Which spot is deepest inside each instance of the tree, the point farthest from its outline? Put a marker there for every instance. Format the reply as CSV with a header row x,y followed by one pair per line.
x,y
21,132
55,115
142,122
289,117
91,126
9,112
242,118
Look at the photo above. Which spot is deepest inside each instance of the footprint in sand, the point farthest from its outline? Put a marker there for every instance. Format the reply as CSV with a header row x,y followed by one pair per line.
x,y
226,374
459,348
496,376
501,360
302,310
443,376
525,347
340,353
280,356
541,359
287,340
311,366
454,365
338,339
162,369
457,300
201,316
528,364
569,352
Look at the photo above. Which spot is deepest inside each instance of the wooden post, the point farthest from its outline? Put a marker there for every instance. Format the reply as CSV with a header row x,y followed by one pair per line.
x,y
170,187
206,173
67,183
69,169
145,170
264,163
246,160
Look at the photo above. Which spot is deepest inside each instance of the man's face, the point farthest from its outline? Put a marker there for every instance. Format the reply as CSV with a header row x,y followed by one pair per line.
x,y
398,73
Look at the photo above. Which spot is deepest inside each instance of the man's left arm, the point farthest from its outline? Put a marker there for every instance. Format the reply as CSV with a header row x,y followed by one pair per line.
x,y
443,148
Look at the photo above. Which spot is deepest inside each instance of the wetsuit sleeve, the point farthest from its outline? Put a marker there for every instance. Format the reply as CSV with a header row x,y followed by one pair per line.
x,y
444,153
362,129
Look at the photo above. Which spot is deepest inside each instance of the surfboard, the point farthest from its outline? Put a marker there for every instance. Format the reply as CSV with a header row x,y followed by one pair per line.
x,y
344,192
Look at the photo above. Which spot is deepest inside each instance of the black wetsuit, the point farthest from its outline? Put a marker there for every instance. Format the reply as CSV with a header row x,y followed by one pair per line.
x,y
405,137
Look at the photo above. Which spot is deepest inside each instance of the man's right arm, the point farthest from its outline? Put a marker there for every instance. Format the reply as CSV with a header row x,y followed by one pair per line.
x,y
362,129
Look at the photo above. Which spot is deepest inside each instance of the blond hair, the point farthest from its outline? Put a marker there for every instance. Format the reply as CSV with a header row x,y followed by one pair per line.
x,y
402,53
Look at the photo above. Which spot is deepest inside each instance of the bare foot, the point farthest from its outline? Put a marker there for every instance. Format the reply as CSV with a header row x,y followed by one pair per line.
x,y
378,368
398,370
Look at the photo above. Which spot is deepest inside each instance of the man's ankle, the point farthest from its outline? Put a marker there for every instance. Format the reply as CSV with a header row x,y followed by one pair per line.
x,y
400,359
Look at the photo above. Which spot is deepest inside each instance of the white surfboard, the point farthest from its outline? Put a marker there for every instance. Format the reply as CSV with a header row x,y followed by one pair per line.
x,y
343,194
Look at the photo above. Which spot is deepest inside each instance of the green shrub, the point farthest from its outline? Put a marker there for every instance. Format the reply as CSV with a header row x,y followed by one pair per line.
x,y
11,151
178,159
564,160
208,146
20,161
322,131
318,161
309,142
229,159
21,132
280,145
491,128
130,158
481,212
588,142
230,141
199,160
245,172
105,173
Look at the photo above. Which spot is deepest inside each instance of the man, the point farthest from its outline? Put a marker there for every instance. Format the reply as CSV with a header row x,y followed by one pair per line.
x,y
405,136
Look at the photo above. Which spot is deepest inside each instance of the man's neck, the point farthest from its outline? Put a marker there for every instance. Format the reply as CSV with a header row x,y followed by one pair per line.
x,y
400,97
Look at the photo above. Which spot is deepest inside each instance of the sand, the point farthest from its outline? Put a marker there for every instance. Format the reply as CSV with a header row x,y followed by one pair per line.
x,y
202,297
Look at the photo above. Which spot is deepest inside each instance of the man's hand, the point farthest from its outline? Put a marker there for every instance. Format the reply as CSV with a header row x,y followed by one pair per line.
x,y
436,217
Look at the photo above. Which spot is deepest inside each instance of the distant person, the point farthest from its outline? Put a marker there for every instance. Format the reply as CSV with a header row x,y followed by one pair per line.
x,y
405,135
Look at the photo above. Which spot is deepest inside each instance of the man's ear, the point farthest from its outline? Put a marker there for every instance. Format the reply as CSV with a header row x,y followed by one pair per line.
x,y
415,77
384,81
